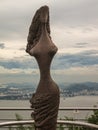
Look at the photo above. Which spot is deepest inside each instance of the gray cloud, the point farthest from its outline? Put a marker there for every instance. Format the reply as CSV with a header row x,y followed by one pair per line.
x,y
2,45
81,45
14,20
81,59
22,49
64,61
15,17
76,13
18,63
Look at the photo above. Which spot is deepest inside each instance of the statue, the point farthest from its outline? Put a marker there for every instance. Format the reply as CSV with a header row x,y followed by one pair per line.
x,y
45,101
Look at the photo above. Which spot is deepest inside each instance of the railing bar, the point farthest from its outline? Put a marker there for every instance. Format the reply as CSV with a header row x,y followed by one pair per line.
x,y
78,123
14,119
1,120
16,123
59,122
78,108
14,108
61,108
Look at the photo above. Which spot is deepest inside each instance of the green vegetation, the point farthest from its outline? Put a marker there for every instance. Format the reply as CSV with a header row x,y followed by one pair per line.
x,y
92,119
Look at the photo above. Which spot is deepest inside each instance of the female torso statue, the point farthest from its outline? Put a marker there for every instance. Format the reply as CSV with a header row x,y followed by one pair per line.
x,y
45,101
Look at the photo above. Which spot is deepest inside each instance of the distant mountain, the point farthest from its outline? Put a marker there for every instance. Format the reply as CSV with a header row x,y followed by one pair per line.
x,y
82,86
68,86
77,89
25,90
91,84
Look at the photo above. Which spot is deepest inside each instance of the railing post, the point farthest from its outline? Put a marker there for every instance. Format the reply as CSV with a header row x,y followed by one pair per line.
x,y
45,101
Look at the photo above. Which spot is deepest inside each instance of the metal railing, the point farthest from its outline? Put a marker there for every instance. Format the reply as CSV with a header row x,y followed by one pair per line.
x,y
64,122
60,108
77,123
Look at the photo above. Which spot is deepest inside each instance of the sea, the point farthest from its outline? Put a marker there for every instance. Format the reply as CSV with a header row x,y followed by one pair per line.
x,y
78,101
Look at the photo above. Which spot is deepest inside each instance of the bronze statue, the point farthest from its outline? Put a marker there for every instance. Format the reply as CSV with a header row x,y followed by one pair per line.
x,y
45,101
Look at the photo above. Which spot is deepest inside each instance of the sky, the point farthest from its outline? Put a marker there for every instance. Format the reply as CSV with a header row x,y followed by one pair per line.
x,y
74,30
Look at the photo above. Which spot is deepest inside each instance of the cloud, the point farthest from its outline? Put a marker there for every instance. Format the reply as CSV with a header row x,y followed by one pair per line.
x,y
18,71
76,13
73,24
15,18
2,45
61,61
22,49
80,59
19,63
74,27
67,67
81,45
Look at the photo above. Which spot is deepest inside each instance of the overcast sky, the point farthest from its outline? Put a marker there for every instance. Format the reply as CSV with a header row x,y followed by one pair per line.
x,y
74,29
